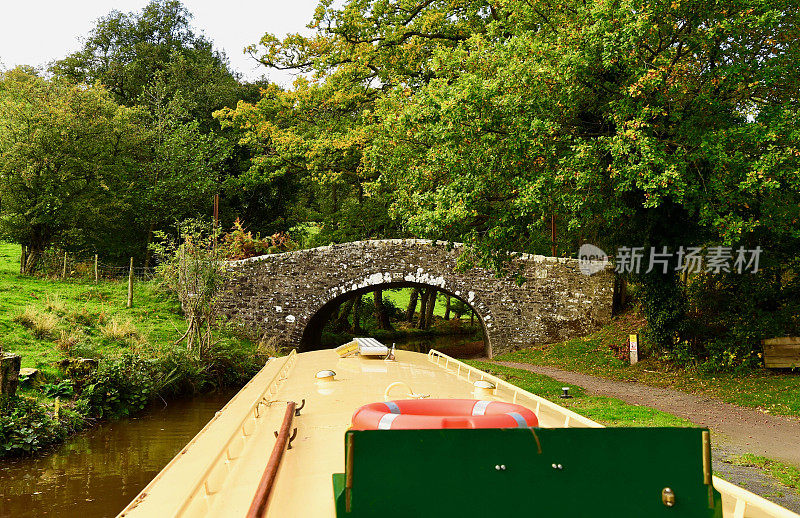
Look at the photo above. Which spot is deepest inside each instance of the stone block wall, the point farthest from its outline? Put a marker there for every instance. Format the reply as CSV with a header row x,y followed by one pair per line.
x,y
280,294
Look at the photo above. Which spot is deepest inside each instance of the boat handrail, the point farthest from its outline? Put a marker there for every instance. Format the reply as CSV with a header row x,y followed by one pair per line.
x,y
444,361
258,508
744,499
221,457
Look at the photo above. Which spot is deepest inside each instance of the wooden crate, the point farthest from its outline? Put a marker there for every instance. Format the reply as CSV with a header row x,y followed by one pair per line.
x,y
782,353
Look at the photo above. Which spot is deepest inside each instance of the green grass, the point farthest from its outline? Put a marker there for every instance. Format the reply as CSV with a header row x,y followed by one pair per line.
x,y
605,410
87,316
776,392
402,297
786,474
46,321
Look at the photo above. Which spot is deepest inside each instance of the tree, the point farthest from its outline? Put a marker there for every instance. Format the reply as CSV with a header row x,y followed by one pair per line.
x,y
381,317
182,165
308,144
412,305
67,155
124,51
639,124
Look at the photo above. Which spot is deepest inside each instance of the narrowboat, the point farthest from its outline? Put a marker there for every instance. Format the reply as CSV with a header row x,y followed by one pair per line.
x,y
365,431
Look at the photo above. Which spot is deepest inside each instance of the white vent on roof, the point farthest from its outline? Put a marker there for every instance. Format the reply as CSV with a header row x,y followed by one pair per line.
x,y
371,347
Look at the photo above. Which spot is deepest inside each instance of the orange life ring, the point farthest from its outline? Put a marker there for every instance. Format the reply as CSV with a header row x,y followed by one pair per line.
x,y
415,414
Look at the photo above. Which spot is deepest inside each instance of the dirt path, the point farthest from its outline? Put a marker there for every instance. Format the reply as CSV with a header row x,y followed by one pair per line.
x,y
735,430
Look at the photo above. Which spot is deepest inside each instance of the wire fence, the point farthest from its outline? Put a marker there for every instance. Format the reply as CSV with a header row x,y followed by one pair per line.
x,y
65,266
140,273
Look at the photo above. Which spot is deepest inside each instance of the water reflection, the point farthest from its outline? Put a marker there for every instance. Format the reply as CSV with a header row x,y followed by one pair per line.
x,y
96,473
457,346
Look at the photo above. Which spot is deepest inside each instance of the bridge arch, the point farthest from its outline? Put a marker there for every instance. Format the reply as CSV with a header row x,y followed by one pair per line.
x,y
308,332
280,295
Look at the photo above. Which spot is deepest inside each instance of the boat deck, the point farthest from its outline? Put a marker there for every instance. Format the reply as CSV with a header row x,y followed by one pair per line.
x,y
218,472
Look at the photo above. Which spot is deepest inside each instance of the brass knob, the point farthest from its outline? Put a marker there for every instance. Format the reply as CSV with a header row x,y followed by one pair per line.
x,y
668,497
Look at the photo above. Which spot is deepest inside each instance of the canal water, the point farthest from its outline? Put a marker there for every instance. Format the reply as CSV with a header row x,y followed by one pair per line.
x,y
98,472
457,346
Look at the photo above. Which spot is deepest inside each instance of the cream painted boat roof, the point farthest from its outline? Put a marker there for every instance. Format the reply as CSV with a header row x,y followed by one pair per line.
x,y
218,472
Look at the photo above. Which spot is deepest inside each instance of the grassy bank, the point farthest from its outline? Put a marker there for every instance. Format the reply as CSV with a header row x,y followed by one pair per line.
x,y
605,410
51,323
776,392
786,474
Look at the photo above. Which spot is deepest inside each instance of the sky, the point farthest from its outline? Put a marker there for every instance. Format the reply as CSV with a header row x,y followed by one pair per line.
x,y
35,32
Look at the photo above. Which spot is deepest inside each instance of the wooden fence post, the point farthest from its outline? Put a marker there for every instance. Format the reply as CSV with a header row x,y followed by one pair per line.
x,y
130,285
95,269
64,270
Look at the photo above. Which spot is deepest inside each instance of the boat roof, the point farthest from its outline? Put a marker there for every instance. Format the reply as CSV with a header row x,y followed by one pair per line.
x,y
218,472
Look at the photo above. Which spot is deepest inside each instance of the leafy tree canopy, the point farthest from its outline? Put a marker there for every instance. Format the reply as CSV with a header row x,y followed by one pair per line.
x,y
125,51
66,154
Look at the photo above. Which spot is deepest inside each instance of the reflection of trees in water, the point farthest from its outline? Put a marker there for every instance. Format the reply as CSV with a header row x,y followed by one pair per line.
x,y
108,465
458,346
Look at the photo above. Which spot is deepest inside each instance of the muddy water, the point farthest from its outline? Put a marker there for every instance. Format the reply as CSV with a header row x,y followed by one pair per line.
x,y
457,346
96,473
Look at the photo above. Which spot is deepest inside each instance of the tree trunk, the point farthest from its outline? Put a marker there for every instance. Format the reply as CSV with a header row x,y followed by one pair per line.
x,y
471,318
22,260
343,316
412,305
148,253
32,258
9,373
380,311
357,315
422,309
620,297
429,308
447,308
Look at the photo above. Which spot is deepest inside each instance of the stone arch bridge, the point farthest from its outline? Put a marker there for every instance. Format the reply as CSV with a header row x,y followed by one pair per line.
x,y
291,295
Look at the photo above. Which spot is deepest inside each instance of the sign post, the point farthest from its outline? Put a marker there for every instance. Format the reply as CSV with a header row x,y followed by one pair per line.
x,y
633,347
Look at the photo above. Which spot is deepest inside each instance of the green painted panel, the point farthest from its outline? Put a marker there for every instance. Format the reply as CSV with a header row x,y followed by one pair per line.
x,y
612,472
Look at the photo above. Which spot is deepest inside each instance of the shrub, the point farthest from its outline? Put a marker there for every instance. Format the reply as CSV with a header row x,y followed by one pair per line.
x,y
240,244
41,325
120,331
54,303
193,269
120,387
26,426
68,340
65,388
